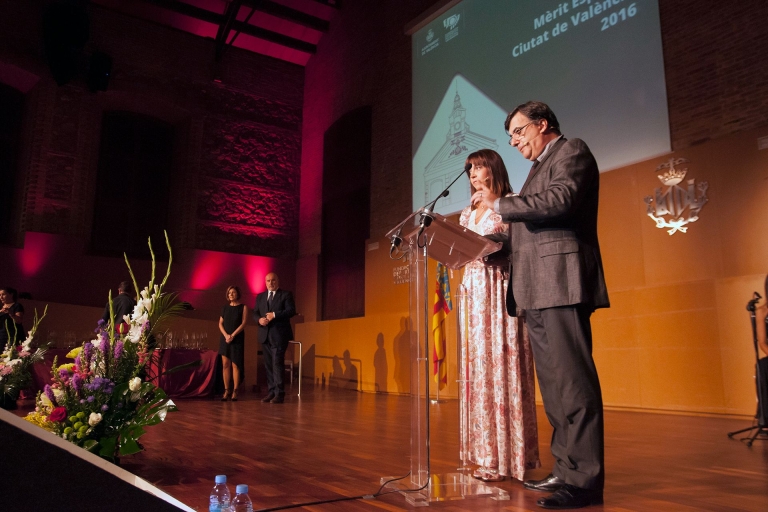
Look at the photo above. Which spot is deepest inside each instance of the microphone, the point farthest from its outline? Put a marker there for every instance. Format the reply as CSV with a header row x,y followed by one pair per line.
x,y
428,208
396,239
533,139
426,218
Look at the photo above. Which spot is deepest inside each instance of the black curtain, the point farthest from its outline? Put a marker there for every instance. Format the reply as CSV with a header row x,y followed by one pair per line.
x,y
132,185
346,215
11,111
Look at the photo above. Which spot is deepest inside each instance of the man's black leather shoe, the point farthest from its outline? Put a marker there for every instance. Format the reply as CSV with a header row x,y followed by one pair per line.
x,y
550,483
268,398
569,496
277,400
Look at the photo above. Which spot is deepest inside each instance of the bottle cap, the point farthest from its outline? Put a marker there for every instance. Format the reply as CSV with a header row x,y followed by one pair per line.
x,y
241,489
221,479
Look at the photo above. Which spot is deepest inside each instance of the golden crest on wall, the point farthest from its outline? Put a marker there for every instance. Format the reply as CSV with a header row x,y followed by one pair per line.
x,y
675,206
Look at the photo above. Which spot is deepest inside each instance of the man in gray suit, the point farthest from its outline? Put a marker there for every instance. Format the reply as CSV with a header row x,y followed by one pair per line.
x,y
556,276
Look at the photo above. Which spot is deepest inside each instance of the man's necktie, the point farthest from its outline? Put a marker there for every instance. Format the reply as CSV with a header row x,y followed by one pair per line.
x,y
269,299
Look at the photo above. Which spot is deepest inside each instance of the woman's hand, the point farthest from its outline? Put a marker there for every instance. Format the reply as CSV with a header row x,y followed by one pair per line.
x,y
483,197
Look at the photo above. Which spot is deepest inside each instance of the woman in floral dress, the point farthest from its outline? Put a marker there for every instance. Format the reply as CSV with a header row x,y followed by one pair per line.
x,y
503,439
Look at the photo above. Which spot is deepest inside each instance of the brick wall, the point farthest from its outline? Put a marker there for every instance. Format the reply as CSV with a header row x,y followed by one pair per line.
x,y
716,65
236,174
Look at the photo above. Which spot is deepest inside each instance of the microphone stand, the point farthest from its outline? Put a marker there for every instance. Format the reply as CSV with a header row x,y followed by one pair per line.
x,y
761,429
426,217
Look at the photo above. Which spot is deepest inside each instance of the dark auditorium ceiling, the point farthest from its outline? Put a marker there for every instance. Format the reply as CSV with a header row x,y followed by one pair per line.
x,y
284,29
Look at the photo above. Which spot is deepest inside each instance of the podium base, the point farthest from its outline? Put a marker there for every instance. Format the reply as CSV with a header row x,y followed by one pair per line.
x,y
449,486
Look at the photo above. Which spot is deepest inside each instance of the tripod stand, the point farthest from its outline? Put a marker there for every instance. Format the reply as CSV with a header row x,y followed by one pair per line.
x,y
761,428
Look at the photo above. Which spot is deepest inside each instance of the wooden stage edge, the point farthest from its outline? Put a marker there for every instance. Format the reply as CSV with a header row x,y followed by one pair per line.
x,y
333,443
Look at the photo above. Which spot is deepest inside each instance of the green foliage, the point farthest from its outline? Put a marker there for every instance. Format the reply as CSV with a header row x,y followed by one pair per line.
x,y
104,401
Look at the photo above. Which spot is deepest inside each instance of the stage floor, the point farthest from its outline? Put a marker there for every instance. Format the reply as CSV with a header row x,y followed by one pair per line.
x,y
335,443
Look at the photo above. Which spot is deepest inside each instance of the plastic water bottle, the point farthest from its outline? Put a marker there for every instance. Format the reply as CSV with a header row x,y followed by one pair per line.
x,y
220,496
242,502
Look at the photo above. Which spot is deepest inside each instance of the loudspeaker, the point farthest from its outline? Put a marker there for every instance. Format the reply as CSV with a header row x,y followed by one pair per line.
x,y
66,29
41,471
99,70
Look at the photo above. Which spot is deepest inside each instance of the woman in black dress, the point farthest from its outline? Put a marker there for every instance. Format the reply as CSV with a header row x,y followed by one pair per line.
x,y
232,341
11,315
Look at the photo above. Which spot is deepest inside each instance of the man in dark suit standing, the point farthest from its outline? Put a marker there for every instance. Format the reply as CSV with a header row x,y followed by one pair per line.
x,y
273,311
556,276
122,305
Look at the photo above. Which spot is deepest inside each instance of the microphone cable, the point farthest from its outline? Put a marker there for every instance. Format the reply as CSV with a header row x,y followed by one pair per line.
x,y
348,498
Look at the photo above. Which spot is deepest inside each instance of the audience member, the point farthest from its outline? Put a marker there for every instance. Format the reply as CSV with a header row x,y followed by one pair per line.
x,y
273,311
11,317
234,316
122,304
761,316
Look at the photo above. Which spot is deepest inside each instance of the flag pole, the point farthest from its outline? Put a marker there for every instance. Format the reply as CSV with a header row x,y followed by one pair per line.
x,y
436,400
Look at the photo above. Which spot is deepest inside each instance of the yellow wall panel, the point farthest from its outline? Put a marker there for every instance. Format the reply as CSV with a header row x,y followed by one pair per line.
x,y
677,335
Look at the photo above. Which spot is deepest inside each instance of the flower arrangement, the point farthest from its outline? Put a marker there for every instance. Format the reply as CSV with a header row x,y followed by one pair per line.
x,y
15,361
104,400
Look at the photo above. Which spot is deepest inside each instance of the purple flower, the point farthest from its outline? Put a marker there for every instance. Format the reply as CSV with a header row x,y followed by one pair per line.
x,y
87,352
100,325
82,400
100,384
77,382
90,398
77,361
104,407
49,393
63,373
118,349
104,345
120,405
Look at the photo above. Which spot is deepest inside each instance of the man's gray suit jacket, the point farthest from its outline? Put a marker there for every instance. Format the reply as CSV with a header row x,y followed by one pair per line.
x,y
555,256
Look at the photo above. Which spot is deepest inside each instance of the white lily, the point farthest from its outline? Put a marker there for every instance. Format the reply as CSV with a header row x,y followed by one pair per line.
x,y
134,384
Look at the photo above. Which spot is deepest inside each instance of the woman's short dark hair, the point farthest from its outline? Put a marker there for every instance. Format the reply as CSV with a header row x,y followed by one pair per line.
x,y
535,111
499,177
237,292
11,291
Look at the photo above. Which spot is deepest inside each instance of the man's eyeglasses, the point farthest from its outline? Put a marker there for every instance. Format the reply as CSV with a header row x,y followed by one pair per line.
x,y
518,132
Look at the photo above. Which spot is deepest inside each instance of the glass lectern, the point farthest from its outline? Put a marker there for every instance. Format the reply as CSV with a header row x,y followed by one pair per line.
x,y
454,246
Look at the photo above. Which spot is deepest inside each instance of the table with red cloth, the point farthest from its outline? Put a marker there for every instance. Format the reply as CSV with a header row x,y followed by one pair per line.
x,y
192,382
189,382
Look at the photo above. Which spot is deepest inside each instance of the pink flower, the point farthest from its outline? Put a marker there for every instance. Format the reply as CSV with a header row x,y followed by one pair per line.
x,y
58,414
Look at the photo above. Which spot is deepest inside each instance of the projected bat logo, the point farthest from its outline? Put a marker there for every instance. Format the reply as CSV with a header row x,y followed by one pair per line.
x,y
430,35
675,200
